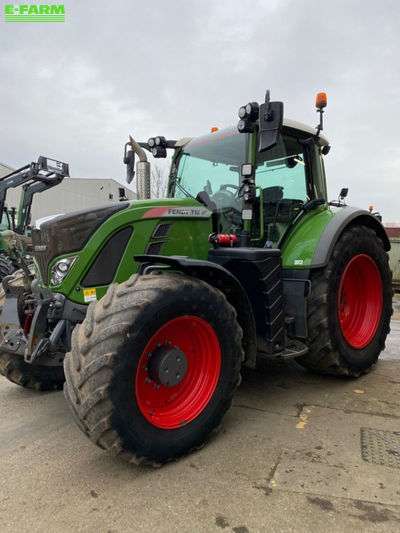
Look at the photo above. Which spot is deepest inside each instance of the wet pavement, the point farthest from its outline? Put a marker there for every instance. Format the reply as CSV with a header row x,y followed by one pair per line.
x,y
296,453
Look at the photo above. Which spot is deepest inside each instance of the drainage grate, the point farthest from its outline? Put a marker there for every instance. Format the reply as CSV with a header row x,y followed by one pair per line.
x,y
381,447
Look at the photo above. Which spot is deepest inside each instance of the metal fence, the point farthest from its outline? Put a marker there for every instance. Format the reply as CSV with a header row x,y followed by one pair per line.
x,y
394,261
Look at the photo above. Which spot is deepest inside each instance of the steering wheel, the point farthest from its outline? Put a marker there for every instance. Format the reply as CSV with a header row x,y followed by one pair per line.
x,y
224,198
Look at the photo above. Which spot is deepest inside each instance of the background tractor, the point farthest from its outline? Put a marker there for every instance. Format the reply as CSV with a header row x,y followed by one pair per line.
x,y
34,178
153,306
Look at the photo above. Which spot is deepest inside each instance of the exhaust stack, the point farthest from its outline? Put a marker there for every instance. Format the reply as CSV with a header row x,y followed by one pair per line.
x,y
142,170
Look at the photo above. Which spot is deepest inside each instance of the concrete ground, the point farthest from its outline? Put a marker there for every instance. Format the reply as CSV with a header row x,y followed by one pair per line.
x,y
288,459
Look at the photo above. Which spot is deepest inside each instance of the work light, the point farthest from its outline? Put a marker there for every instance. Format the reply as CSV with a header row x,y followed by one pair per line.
x,y
159,151
158,146
248,114
161,141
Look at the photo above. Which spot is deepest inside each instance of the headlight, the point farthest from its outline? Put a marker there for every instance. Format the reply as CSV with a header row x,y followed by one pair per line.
x,y
60,269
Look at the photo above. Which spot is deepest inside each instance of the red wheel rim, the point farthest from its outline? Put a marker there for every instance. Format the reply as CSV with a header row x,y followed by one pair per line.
x,y
173,407
360,301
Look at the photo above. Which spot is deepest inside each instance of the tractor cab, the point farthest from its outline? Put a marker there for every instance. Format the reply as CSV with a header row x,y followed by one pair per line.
x,y
287,176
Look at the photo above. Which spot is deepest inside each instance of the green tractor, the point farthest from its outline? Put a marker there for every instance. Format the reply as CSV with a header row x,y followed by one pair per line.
x,y
153,306
34,178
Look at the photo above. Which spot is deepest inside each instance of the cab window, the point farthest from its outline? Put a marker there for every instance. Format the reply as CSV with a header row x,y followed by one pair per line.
x,y
282,188
4,224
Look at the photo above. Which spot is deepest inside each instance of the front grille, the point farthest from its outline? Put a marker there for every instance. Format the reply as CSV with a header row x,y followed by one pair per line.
x,y
41,251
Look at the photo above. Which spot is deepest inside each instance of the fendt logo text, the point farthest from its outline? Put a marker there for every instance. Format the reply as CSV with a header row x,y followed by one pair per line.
x,y
34,13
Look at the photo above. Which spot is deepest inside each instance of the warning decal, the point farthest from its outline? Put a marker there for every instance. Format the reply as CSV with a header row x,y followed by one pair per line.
x,y
89,295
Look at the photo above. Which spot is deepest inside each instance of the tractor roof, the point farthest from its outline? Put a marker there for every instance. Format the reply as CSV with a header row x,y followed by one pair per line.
x,y
287,123
294,125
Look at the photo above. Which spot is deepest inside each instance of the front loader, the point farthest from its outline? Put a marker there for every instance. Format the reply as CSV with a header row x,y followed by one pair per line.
x,y
35,178
153,306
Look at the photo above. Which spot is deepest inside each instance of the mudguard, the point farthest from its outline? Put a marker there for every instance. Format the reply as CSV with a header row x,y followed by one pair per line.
x,y
346,216
310,242
220,278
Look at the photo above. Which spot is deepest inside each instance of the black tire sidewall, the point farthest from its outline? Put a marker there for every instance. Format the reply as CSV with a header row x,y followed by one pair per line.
x,y
137,433
358,359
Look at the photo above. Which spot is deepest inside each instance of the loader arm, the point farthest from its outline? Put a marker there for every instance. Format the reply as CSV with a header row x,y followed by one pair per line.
x,y
29,190
35,177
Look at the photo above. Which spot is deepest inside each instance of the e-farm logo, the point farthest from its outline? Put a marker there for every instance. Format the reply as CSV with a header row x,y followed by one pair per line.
x,y
34,13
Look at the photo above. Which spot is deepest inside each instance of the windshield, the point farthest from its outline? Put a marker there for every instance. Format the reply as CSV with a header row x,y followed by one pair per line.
x,y
211,165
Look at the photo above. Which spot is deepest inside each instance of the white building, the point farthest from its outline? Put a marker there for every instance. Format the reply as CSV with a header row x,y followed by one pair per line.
x,y
4,170
72,194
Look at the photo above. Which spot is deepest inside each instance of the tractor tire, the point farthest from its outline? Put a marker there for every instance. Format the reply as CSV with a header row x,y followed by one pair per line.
x,y
122,393
6,266
350,306
14,368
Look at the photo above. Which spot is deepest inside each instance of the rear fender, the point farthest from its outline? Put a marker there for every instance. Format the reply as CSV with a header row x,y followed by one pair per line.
x,y
221,279
345,217
312,239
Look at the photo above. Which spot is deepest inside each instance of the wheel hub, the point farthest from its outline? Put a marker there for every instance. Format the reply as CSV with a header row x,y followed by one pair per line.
x,y
167,366
360,301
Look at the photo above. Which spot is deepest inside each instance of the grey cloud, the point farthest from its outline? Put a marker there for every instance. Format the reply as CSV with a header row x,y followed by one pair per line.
x,y
76,90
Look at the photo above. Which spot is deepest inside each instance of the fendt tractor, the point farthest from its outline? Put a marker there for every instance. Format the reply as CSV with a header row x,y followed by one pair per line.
x,y
151,307
34,178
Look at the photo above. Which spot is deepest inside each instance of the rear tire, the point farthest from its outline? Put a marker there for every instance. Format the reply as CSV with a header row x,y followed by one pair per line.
x,y
350,306
14,368
118,394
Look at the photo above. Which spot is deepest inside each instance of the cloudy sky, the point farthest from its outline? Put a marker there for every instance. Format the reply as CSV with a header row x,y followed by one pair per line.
x,y
74,91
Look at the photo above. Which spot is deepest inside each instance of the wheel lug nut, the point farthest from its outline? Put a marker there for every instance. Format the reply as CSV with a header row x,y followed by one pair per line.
x,y
156,386
145,368
148,380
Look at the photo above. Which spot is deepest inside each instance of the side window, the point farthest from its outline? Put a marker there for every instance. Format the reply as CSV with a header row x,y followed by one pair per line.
x,y
4,224
281,181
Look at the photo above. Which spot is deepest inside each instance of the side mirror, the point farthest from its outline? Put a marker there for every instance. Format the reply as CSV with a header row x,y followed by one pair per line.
x,y
271,119
129,160
142,168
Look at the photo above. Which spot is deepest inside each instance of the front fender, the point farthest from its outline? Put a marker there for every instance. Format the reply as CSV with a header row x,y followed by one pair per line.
x,y
223,280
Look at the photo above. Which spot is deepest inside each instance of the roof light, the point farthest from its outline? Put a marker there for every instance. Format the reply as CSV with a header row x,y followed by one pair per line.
x,y
321,100
214,129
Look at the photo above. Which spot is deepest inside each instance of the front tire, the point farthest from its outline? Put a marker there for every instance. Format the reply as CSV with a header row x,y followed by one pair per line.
x,y
350,306
153,367
6,266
